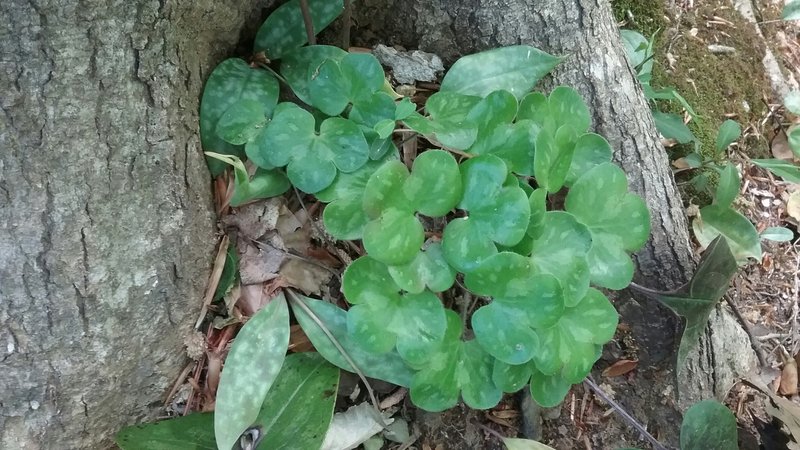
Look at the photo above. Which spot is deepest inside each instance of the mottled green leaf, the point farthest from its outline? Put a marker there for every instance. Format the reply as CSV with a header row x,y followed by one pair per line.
x,y
353,78
548,390
434,186
553,157
192,432
502,275
231,81
709,425
428,269
388,366
515,69
250,369
466,245
590,150
298,65
241,122
394,238
568,108
511,378
284,29
777,234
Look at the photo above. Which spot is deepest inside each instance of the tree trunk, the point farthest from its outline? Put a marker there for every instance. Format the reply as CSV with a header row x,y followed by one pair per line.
x,y
585,32
106,223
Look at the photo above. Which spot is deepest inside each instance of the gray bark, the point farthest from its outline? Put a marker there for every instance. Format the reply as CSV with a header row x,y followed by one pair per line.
x,y
106,223
585,32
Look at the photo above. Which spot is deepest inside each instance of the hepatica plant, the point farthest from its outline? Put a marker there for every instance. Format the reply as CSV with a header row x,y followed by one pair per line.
x,y
483,259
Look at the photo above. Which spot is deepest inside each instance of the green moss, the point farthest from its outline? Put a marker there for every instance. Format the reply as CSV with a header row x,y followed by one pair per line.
x,y
646,17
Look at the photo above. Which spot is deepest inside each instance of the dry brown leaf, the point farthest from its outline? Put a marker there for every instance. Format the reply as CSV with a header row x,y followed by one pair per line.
x,y
680,163
257,265
793,205
782,409
789,378
304,275
620,367
780,147
252,298
255,219
298,341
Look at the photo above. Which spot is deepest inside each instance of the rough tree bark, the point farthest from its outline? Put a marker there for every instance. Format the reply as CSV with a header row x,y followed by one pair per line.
x,y
585,32
106,225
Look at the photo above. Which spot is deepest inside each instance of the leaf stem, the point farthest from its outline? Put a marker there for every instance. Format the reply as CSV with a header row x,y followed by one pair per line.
x,y
296,301
312,40
347,18
639,427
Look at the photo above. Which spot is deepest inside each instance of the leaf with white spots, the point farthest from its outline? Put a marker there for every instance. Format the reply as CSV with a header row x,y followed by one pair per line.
x,y
507,327
512,377
284,29
590,150
553,157
548,390
455,367
353,78
312,158
561,250
568,108
231,81
344,217
250,369
394,238
428,269
387,367
502,275
514,69
435,183
619,221
298,65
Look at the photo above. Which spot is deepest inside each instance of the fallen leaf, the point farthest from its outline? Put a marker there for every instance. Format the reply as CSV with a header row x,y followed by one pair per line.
x,y
257,265
793,205
620,367
252,298
780,147
680,163
353,427
789,378
782,409
255,219
305,276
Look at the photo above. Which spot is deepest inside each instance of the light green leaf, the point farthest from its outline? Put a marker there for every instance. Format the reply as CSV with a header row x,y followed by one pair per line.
x,y
502,275
313,159
404,108
792,99
230,82
695,300
367,276
298,65
561,251
394,238
638,50
264,184
548,390
344,217
739,232
284,29
372,109
524,444
429,268
538,205
240,123
456,367
511,378
590,150
250,369
466,245
777,234
496,109
728,187
384,189
729,132
568,108
353,78
299,407
793,136
515,69
671,126
791,11
387,367
553,157
435,183
783,169
384,128
193,432
709,425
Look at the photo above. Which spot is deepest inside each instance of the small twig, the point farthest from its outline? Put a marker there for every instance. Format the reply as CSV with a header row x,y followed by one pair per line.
x,y
296,301
307,22
639,427
347,20
651,292
753,341
489,430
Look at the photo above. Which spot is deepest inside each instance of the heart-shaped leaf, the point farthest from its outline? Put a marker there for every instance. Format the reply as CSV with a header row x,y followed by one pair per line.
x,y
284,29
709,425
502,275
568,108
553,157
497,214
312,159
241,122
512,377
456,367
230,82
388,366
548,390
428,269
561,250
298,65
618,221
250,369
590,150
350,79
514,69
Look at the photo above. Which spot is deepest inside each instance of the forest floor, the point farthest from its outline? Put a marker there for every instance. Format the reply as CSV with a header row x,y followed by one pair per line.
x,y
718,86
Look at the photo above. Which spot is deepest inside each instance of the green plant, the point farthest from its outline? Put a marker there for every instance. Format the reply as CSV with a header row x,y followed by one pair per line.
x,y
782,168
493,205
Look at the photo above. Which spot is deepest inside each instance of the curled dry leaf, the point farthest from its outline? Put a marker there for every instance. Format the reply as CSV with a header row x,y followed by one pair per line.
x,y
793,205
620,367
780,147
789,378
